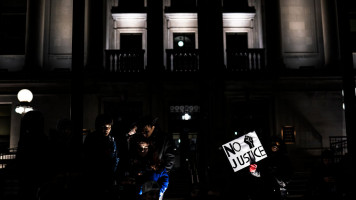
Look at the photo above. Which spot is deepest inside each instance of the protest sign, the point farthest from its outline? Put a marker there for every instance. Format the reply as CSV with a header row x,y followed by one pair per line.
x,y
244,150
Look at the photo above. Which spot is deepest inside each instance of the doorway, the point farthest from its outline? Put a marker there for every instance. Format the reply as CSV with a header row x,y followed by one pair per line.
x,y
5,125
236,41
131,41
185,132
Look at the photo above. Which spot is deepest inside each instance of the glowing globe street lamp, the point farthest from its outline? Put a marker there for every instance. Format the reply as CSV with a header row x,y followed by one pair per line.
x,y
25,96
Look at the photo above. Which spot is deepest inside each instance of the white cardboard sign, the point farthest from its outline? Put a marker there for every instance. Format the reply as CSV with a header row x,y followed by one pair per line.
x,y
244,150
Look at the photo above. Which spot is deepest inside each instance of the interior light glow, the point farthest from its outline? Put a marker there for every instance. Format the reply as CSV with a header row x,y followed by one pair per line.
x,y
180,43
19,109
186,116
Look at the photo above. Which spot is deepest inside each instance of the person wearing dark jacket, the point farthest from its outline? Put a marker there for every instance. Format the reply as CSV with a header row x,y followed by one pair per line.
x,y
33,160
274,173
162,149
161,143
144,168
101,157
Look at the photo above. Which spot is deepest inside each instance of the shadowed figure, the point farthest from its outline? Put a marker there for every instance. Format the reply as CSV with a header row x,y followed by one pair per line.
x,y
101,159
325,178
66,160
32,158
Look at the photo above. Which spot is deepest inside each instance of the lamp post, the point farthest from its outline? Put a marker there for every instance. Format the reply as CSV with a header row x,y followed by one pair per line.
x,y
25,96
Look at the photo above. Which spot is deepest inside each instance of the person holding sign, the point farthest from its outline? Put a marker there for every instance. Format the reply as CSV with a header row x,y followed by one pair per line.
x,y
243,152
274,172
268,170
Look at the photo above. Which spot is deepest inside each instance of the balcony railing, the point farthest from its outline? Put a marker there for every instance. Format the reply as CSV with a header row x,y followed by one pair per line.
x,y
249,60
7,157
182,60
124,60
245,60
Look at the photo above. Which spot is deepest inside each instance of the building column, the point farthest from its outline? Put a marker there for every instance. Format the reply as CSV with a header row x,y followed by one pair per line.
x,y
273,35
346,63
76,107
211,64
155,48
210,36
95,35
34,35
328,15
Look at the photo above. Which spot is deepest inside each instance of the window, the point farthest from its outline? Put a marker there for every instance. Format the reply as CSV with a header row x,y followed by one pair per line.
x,y
131,41
184,41
5,119
236,41
13,27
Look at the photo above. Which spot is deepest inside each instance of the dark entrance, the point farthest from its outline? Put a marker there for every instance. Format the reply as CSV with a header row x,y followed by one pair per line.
x,y
236,51
184,127
130,41
236,41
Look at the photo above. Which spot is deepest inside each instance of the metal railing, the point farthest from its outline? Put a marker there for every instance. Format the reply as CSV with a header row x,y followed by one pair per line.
x,y
338,144
6,157
182,60
124,60
245,60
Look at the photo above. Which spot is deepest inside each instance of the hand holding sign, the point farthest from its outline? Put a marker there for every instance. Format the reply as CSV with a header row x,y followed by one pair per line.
x,y
244,151
253,167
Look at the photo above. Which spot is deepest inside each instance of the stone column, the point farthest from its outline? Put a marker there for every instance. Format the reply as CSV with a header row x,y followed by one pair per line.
x,y
273,35
346,63
95,34
34,35
211,64
210,36
155,48
76,109
328,16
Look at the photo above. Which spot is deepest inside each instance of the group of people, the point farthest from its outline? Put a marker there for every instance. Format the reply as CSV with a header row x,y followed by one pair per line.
x,y
131,165
135,164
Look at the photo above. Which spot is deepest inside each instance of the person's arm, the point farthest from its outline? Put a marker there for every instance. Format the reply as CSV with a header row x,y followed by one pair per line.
x,y
169,154
253,170
163,182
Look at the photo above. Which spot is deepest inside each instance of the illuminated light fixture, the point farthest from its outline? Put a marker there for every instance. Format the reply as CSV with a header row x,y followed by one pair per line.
x,y
25,96
180,43
342,93
186,116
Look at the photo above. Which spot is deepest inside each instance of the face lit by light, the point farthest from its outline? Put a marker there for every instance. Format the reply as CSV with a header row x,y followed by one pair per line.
x,y
106,129
180,43
143,148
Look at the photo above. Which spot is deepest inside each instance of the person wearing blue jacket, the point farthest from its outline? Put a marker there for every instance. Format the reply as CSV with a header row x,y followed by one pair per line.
x,y
146,167
161,177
